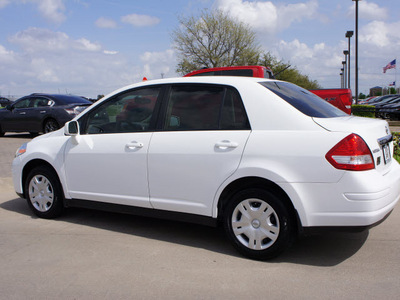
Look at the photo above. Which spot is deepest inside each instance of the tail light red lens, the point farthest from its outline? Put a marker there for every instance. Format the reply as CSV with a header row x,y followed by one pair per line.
x,y
351,153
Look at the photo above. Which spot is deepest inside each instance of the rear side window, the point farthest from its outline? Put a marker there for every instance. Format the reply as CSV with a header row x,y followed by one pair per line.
x,y
303,100
205,107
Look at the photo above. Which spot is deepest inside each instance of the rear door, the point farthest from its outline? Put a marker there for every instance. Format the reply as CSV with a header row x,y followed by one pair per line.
x,y
202,138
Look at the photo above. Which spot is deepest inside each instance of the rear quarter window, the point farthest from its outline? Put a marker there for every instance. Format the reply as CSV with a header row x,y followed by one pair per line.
x,y
303,100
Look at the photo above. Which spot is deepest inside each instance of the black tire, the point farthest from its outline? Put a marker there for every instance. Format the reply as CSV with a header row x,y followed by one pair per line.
x,y
258,224
44,193
50,125
1,132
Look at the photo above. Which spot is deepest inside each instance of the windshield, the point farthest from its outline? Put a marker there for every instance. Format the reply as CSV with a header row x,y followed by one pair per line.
x,y
303,100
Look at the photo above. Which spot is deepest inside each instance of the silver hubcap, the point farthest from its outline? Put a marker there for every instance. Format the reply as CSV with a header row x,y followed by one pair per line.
x,y
255,224
41,193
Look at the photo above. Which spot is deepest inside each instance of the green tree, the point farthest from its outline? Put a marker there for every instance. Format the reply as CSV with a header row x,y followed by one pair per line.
x,y
284,71
214,40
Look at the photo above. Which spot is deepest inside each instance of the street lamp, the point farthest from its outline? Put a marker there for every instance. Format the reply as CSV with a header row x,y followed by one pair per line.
x,y
356,48
344,73
349,34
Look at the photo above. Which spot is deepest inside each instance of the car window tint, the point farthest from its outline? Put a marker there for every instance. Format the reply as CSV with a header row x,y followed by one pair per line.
x,y
22,104
204,107
303,100
127,112
194,107
233,115
40,102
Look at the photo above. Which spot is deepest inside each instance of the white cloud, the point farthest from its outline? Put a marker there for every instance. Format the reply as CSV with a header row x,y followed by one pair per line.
x,y
369,11
110,52
267,16
4,3
157,63
38,39
51,10
140,20
105,23
86,45
48,61
381,34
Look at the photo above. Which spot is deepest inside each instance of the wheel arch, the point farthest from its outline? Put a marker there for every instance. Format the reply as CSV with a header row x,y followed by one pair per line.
x,y
33,164
256,183
45,120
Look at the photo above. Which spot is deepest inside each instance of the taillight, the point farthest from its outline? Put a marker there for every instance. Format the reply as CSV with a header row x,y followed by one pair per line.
x,y
351,153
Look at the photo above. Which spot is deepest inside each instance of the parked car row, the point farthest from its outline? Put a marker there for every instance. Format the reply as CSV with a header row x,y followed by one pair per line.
x,y
386,107
40,113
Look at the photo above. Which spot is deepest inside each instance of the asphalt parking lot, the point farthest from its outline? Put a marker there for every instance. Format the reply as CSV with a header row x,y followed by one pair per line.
x,y
97,255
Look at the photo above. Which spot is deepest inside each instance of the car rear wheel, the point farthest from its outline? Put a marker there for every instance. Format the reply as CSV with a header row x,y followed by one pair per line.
x,y
50,125
43,192
1,132
258,224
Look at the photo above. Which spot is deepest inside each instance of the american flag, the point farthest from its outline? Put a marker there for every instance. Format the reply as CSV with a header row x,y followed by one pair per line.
x,y
390,65
392,83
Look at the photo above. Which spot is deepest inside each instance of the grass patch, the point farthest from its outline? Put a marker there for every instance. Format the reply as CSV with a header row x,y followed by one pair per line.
x,y
396,151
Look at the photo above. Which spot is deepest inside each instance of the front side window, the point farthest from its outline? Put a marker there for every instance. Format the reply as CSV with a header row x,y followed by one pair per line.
x,y
24,103
205,107
130,111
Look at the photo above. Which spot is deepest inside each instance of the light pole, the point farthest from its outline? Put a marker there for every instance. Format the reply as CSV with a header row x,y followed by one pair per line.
x,y
341,78
356,48
344,73
349,34
347,57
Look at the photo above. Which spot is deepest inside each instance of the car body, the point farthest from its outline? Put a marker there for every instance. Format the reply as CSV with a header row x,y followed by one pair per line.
x,y
4,102
341,98
40,113
266,158
390,111
247,71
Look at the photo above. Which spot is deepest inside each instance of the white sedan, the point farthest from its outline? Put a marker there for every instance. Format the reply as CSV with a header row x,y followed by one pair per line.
x,y
264,158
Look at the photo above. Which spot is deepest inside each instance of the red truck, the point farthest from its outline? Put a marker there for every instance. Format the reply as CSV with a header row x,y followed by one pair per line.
x,y
341,98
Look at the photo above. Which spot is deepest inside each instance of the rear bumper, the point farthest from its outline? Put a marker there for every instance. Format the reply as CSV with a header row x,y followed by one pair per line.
x,y
359,199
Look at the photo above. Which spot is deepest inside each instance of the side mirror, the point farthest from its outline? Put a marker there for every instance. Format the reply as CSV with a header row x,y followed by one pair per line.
x,y
9,107
71,128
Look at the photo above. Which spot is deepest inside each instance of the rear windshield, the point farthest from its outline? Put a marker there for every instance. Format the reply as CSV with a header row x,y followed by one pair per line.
x,y
303,100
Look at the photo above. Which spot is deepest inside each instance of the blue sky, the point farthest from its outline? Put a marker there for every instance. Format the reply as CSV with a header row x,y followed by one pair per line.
x,y
94,47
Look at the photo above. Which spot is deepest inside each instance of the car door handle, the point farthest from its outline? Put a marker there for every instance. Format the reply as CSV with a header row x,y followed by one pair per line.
x,y
42,111
22,113
226,144
134,144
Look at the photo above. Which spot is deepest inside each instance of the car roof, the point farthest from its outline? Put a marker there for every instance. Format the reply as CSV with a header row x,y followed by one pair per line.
x,y
62,99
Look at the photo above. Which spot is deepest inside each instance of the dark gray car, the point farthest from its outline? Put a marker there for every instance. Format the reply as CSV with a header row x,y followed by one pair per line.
x,y
40,113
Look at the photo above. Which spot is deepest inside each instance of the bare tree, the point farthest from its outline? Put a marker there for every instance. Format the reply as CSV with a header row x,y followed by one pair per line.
x,y
214,40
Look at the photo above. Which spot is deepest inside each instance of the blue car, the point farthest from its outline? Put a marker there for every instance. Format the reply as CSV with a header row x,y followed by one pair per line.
x,y
40,113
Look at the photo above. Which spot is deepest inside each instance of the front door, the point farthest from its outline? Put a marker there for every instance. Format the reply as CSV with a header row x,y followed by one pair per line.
x,y
108,161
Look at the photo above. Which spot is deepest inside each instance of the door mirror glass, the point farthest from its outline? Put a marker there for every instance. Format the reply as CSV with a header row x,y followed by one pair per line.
x,y
71,128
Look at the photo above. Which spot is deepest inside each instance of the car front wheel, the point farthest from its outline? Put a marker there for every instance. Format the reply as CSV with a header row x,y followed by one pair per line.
x,y
258,224
44,193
